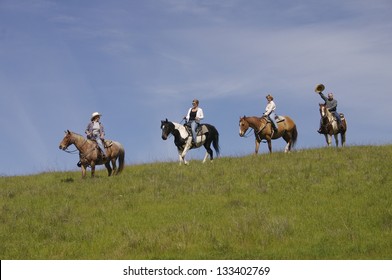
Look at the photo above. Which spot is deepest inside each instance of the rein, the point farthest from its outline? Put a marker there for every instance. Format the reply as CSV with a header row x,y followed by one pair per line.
x,y
72,152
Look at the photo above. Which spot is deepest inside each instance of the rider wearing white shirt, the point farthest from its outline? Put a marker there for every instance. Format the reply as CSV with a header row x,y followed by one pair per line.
x,y
270,111
193,117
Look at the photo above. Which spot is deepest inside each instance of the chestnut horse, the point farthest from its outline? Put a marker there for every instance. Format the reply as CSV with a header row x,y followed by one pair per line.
x,y
330,126
90,154
263,130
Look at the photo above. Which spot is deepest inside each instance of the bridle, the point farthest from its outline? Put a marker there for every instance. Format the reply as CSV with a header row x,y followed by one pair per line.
x,y
78,150
249,131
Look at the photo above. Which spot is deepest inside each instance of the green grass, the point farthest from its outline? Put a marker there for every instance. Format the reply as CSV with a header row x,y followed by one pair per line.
x,y
310,204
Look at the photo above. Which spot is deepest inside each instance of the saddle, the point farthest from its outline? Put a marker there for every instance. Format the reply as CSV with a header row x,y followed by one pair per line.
x,y
200,129
106,143
277,118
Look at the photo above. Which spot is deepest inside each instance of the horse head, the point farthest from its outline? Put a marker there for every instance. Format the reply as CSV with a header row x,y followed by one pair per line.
x,y
244,125
67,141
323,110
167,128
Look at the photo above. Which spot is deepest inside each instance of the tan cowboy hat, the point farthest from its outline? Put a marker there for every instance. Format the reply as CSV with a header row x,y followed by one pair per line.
x,y
93,115
319,88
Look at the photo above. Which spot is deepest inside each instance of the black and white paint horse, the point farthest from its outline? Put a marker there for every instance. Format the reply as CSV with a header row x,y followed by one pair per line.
x,y
206,136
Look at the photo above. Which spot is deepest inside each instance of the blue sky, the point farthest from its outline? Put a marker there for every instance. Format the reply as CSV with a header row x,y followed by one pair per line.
x,y
140,61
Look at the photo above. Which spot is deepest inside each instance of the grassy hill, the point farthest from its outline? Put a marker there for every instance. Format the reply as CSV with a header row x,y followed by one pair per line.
x,y
311,204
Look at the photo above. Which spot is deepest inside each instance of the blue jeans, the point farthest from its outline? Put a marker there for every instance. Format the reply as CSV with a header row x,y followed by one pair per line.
x,y
337,116
194,126
100,144
271,116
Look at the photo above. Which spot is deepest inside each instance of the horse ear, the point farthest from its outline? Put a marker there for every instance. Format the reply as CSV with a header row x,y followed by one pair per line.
x,y
167,120
69,132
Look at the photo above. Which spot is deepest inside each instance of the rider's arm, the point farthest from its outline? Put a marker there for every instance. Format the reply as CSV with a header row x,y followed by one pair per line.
x,y
323,96
200,114
188,115
102,134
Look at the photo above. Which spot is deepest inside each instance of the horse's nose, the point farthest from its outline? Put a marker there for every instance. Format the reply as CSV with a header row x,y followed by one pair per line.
x,y
61,148
164,137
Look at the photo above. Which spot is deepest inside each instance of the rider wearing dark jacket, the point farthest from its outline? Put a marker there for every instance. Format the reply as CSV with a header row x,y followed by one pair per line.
x,y
331,105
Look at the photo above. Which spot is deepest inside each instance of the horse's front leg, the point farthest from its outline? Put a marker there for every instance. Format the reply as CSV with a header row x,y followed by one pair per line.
x,y
336,140
328,139
257,146
181,157
269,144
186,149
92,169
83,171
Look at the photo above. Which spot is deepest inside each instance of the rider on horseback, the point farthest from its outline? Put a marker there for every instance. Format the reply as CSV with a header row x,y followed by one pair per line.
x,y
95,131
193,118
270,112
331,105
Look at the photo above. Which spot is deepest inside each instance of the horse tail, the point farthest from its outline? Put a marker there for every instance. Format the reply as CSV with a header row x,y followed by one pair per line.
x,y
121,157
294,135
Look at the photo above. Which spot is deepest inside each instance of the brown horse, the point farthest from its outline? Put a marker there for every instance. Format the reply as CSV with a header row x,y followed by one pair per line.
x,y
330,126
263,130
90,154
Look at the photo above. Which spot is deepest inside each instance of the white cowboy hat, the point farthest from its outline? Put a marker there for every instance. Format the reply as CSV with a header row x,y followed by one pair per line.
x,y
319,88
93,115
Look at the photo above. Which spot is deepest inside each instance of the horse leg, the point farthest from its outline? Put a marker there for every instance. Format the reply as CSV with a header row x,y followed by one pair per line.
x,y
181,157
336,140
287,138
269,144
114,164
257,146
83,171
328,139
205,157
186,149
343,138
92,169
108,167
208,152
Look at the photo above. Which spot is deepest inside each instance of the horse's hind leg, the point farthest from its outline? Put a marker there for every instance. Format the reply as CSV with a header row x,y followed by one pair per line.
x,y
114,166
109,168
287,138
208,152
343,139
336,140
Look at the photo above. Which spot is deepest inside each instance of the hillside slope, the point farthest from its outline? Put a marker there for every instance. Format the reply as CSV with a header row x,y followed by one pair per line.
x,y
310,204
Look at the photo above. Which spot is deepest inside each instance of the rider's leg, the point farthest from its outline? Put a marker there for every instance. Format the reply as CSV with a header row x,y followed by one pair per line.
x,y
194,127
338,119
273,121
100,145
